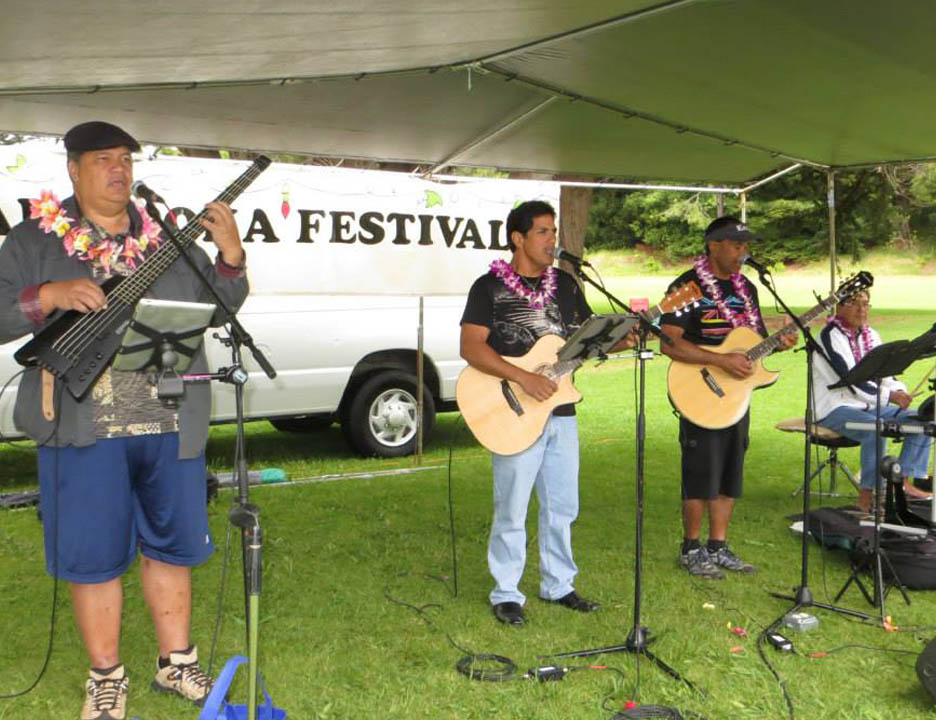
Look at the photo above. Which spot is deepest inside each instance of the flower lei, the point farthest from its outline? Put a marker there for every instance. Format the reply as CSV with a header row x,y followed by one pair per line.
x,y
538,298
78,240
853,337
749,317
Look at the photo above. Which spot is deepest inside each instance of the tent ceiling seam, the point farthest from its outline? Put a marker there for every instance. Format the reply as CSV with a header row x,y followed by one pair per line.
x,y
493,132
587,29
628,113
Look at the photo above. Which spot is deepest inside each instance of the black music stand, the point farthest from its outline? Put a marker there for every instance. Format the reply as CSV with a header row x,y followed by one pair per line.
x,y
638,639
883,361
597,335
802,595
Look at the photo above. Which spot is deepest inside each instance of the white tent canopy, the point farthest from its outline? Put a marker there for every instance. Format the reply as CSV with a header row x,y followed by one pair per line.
x,y
714,90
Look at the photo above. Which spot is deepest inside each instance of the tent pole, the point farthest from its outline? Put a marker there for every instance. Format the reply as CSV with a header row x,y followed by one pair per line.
x,y
420,373
830,176
720,204
742,199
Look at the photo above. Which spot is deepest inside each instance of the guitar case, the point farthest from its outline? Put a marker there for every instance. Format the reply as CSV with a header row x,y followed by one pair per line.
x,y
913,558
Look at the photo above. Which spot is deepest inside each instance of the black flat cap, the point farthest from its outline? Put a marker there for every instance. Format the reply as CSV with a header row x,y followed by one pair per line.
x,y
98,135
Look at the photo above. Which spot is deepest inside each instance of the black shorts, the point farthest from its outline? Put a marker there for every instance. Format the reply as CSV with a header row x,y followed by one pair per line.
x,y
713,460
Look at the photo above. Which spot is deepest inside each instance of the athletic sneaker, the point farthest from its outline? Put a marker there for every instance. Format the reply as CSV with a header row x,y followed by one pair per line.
x,y
698,563
106,695
184,677
723,557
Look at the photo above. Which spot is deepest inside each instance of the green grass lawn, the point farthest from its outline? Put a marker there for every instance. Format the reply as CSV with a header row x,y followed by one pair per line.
x,y
334,645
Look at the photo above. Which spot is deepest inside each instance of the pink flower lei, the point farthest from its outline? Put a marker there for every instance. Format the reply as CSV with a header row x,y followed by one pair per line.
x,y
750,316
853,337
78,239
538,298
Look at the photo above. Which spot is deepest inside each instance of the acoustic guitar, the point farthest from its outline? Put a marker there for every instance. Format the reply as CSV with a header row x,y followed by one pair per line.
x,y
504,418
711,398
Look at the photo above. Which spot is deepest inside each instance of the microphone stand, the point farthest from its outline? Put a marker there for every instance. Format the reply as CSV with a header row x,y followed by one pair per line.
x,y
803,597
243,515
638,639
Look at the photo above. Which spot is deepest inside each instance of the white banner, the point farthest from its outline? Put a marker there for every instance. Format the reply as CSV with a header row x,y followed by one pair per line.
x,y
310,229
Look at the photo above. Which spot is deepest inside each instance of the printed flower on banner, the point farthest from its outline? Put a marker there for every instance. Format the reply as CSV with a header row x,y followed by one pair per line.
x,y
284,208
432,199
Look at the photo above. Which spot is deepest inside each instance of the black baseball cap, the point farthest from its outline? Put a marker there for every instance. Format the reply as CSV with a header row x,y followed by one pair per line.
x,y
98,135
729,228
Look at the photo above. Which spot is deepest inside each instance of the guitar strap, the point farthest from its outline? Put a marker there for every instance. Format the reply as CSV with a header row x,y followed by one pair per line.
x,y
48,395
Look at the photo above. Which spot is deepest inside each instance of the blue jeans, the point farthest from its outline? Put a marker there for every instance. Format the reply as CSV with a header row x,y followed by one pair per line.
x,y
551,465
914,453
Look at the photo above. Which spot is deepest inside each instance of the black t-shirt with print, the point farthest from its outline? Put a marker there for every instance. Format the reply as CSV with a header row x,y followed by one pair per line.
x,y
704,324
516,325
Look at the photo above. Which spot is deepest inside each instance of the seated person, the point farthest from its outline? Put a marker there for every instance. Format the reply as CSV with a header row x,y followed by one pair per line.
x,y
846,339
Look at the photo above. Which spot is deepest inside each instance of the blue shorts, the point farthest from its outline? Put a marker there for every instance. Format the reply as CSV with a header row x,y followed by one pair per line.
x,y
116,496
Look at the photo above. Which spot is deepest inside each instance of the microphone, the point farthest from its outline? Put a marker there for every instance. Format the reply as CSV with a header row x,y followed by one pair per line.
x,y
144,193
748,260
575,260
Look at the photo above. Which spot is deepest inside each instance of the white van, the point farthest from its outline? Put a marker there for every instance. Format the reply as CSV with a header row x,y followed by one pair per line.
x,y
343,359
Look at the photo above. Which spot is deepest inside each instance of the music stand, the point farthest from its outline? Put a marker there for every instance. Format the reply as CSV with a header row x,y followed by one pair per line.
x,y
638,639
596,337
883,361
165,335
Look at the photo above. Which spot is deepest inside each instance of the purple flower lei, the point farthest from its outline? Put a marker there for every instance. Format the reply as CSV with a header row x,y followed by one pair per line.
x,y
749,317
538,298
852,337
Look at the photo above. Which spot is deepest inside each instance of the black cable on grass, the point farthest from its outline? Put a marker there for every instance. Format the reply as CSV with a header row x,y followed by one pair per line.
x,y
55,527
761,637
8,441
504,668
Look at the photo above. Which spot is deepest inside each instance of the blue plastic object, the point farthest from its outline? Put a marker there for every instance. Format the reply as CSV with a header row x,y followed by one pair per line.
x,y
216,708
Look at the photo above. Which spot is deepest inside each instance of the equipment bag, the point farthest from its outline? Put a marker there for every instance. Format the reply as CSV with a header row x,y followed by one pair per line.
x,y
216,708
913,559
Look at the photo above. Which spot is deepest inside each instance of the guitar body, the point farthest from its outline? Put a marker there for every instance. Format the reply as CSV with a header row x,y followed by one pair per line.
x,y
488,412
79,365
710,397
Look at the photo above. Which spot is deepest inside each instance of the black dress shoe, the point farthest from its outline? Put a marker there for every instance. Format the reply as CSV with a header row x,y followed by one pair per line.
x,y
509,613
574,602
924,484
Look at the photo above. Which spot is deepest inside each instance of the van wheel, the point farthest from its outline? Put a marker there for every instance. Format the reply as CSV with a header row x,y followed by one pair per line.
x,y
381,419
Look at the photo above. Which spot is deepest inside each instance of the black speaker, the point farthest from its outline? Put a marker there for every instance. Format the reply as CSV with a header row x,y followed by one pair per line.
x,y
926,668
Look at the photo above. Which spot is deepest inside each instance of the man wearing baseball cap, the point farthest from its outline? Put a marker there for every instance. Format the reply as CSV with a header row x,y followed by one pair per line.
x,y
119,472
713,460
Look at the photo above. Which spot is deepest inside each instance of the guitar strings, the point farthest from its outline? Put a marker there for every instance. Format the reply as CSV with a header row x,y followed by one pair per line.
x,y
77,338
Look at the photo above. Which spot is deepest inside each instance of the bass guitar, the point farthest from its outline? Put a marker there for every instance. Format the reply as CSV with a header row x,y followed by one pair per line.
x,y
504,418
711,398
77,347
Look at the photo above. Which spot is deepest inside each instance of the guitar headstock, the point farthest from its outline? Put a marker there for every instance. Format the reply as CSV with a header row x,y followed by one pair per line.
x,y
680,298
855,284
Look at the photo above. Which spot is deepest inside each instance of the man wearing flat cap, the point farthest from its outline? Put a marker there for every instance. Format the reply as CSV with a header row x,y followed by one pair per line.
x,y
713,460
119,473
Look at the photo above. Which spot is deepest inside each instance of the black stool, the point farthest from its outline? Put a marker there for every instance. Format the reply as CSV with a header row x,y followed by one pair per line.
x,y
830,440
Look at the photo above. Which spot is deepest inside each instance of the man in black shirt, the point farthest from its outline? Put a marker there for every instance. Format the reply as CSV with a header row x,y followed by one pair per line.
x,y
507,311
713,460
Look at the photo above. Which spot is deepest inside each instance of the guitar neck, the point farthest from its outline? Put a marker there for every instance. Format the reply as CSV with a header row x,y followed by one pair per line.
x,y
132,288
768,345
